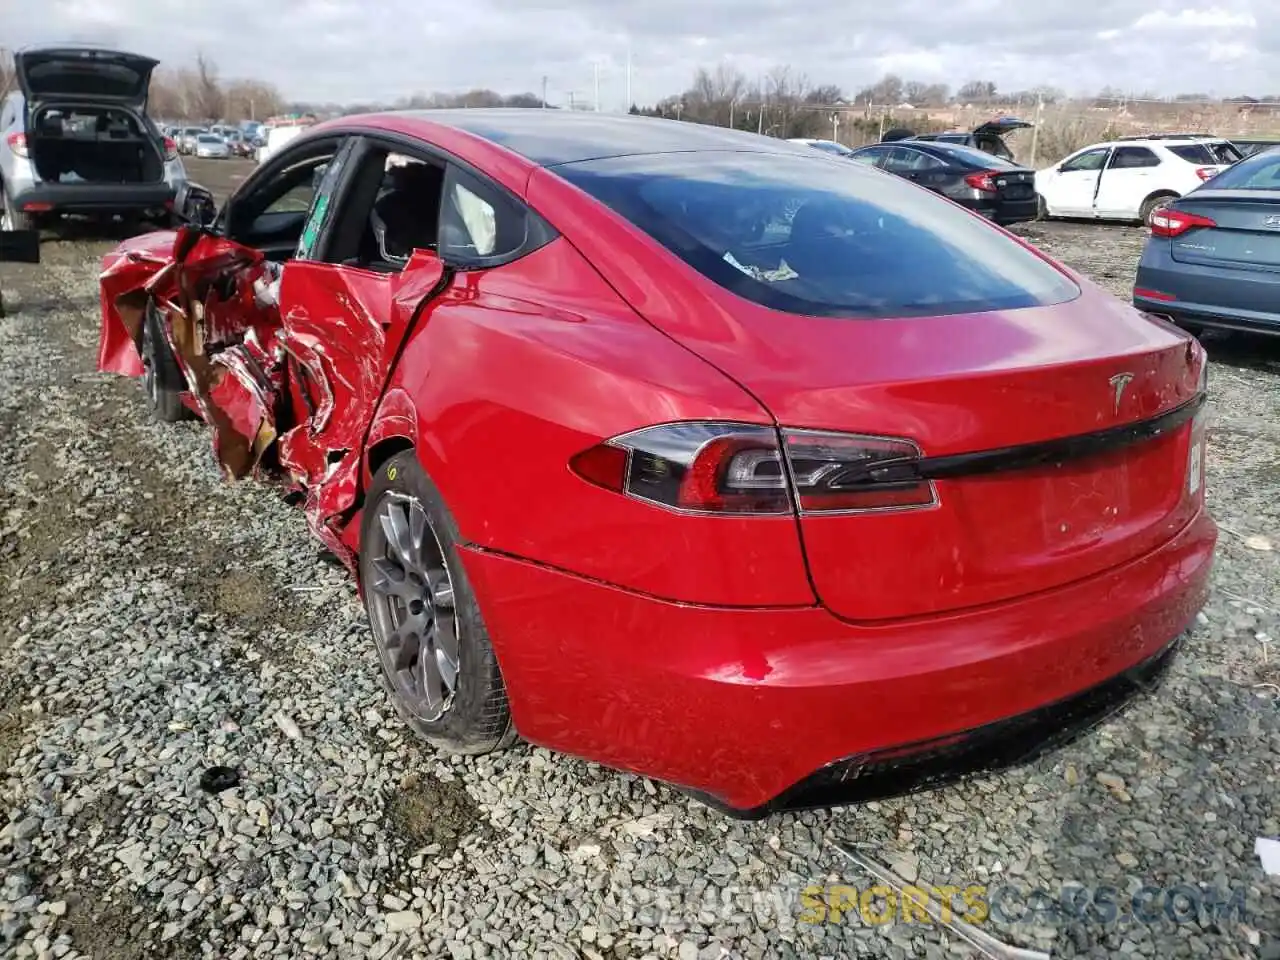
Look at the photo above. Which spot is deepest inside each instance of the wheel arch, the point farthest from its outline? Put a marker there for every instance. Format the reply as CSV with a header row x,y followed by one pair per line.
x,y
1163,192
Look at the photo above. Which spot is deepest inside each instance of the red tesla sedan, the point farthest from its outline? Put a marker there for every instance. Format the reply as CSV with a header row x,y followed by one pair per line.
x,y
692,452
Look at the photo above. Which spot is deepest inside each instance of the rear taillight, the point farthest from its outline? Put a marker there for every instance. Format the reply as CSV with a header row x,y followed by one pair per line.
x,y
1206,173
734,468
18,144
170,149
982,181
1169,222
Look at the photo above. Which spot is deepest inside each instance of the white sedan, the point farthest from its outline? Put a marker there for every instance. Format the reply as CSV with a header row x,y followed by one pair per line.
x,y
210,146
1127,179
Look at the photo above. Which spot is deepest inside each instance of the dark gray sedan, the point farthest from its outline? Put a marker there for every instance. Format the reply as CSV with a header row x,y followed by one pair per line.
x,y
998,189
1213,257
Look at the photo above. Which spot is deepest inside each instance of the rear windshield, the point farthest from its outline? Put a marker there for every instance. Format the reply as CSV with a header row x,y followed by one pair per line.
x,y
1211,154
977,158
821,237
1259,172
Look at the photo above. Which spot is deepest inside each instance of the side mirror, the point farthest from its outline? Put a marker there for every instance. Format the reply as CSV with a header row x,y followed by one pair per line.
x,y
195,205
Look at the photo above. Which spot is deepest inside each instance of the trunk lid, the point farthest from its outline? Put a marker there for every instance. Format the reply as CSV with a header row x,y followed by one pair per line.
x,y
1006,383
999,125
84,73
1246,235
1015,185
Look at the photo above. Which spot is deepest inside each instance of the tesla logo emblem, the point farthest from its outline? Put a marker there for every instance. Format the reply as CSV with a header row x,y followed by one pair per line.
x,y
1119,382
1271,222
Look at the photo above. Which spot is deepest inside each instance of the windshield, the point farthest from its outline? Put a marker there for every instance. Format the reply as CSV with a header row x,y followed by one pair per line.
x,y
807,235
1259,172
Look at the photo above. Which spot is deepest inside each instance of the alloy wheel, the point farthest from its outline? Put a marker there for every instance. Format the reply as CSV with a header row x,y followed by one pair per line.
x,y
411,608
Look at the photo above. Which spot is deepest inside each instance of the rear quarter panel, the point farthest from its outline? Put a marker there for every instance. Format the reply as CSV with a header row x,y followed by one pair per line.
x,y
514,370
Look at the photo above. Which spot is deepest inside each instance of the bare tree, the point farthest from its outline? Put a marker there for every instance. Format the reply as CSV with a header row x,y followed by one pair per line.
x,y
6,69
980,90
209,96
251,100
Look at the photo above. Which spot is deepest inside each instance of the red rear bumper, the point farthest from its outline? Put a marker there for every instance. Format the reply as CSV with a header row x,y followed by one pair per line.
x,y
742,704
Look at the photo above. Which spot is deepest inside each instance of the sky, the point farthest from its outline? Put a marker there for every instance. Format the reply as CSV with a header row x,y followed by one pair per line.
x,y
380,50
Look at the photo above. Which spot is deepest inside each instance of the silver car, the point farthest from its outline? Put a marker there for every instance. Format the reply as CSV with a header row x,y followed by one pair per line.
x,y
75,139
210,146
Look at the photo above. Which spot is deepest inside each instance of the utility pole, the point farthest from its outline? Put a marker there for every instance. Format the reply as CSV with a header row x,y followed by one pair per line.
x,y
573,102
597,82
1035,130
835,127
628,106
544,92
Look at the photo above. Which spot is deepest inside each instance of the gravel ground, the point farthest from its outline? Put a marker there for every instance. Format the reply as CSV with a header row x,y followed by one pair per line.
x,y
155,622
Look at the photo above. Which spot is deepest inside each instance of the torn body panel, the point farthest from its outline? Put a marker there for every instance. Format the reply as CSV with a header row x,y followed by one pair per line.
x,y
342,328
287,364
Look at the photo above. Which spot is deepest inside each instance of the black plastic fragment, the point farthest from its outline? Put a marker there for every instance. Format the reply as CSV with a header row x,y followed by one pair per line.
x,y
217,779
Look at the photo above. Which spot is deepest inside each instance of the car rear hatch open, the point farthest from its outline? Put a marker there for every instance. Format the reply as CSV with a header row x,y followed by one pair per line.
x,y
1230,228
1000,125
84,74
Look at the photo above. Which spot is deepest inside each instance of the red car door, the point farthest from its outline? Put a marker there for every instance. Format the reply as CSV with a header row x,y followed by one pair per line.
x,y
341,329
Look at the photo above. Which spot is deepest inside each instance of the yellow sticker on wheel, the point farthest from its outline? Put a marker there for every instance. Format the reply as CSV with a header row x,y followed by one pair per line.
x,y
391,473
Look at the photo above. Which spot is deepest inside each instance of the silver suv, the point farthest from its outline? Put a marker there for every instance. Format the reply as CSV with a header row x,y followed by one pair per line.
x,y
75,139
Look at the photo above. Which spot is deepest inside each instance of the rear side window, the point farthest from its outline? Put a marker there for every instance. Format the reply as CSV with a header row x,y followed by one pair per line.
x,y
1131,158
904,159
807,236
1206,154
481,225
1259,172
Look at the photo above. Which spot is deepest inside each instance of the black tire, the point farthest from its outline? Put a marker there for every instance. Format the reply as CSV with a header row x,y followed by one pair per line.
x,y
1153,201
11,218
477,717
162,380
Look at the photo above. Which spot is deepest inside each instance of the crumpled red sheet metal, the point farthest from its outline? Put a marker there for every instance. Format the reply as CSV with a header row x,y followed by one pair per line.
x,y
302,380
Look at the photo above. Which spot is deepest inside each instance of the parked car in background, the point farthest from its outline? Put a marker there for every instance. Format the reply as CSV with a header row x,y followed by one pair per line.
x,y
186,139
277,137
826,146
238,144
1249,146
75,139
210,146
998,189
1127,179
987,137
1213,257
886,489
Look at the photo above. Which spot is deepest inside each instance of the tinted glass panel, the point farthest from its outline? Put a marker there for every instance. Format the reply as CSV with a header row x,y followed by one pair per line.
x,y
1260,172
806,236
1131,158
1091,160
973,157
1206,153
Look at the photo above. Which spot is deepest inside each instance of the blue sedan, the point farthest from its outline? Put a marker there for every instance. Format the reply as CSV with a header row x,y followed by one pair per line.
x,y
1213,257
